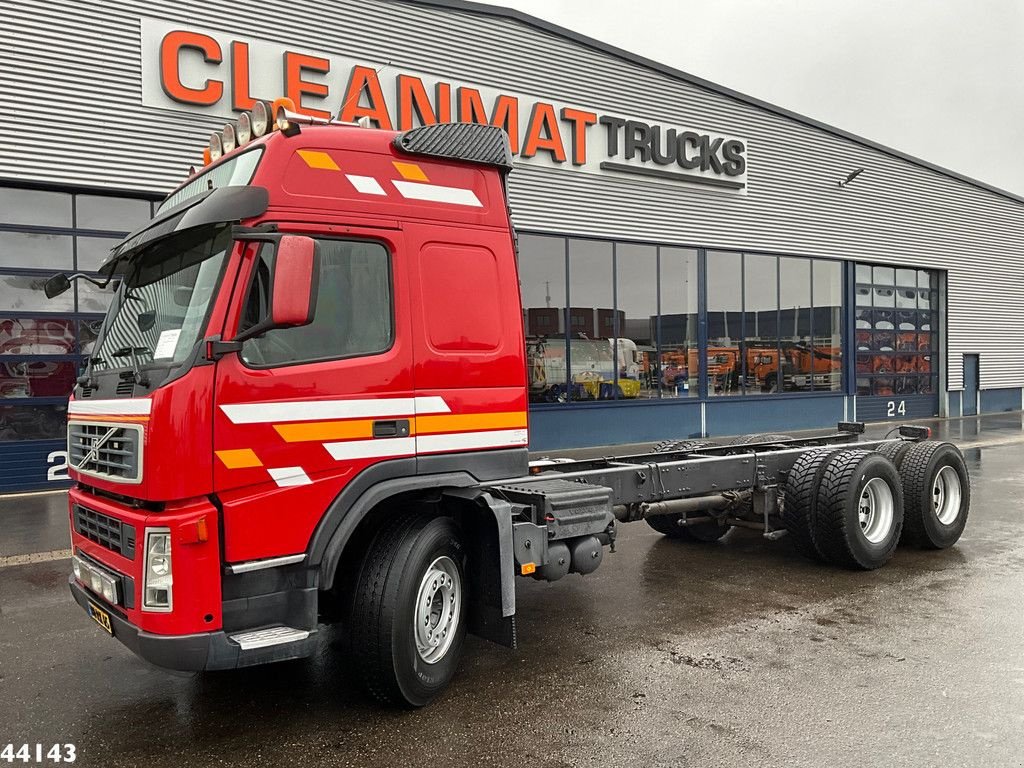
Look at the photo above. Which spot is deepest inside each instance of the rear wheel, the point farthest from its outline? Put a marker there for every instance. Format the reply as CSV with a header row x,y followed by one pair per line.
x,y
668,525
894,452
798,499
858,512
938,494
409,609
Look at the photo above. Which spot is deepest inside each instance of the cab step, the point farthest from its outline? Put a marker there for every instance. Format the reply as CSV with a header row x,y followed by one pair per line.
x,y
264,638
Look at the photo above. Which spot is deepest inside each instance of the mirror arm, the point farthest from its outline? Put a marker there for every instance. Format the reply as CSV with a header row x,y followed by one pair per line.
x,y
93,280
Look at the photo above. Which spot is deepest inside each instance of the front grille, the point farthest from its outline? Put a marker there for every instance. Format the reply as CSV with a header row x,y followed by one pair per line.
x,y
111,451
106,531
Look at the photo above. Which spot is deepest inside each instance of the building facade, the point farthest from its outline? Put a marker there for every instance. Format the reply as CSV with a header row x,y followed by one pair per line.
x,y
693,261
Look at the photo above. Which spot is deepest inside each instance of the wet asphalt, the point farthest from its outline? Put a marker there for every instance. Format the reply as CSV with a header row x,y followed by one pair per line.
x,y
737,653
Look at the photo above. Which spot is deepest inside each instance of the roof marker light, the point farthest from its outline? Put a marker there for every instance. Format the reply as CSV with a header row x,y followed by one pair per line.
x,y
216,146
230,139
261,117
206,156
243,130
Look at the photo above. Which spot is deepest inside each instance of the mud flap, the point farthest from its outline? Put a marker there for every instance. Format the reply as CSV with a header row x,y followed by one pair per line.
x,y
492,593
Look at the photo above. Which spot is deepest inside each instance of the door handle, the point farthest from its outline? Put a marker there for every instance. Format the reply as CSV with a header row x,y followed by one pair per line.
x,y
392,428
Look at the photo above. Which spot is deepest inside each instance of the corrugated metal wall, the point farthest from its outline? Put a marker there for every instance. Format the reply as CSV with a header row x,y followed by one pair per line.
x,y
58,54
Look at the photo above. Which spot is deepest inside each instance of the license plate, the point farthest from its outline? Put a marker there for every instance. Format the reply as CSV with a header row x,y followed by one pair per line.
x,y
101,617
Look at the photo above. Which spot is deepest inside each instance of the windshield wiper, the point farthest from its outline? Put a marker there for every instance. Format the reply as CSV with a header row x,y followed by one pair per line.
x,y
133,352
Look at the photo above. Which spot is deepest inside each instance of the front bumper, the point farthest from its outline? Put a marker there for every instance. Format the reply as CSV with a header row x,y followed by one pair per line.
x,y
190,653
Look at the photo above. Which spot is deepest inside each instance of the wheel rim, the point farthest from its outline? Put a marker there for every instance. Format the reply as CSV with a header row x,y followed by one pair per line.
x,y
946,495
438,605
875,510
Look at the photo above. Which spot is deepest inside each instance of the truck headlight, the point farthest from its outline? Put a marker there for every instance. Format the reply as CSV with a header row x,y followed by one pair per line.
x,y
159,579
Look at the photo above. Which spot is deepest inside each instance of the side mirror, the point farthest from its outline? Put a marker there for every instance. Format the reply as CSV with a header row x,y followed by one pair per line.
x,y
56,285
295,282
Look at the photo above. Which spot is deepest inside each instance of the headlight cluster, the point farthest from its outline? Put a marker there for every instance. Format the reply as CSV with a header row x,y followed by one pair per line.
x,y
263,118
158,582
97,580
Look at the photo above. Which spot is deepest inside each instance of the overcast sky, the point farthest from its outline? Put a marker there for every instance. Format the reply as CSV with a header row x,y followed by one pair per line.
x,y
938,79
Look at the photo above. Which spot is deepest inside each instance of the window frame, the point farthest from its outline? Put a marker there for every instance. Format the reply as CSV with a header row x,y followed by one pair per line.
x,y
389,252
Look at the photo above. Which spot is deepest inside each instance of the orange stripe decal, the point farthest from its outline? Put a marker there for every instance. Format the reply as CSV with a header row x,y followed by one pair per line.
x,y
325,430
410,171
315,159
239,458
464,422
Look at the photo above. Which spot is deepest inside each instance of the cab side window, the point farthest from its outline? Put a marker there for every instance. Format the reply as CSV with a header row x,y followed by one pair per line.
x,y
353,309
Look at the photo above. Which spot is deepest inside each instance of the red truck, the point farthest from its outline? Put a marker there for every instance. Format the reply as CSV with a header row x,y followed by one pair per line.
x,y
308,405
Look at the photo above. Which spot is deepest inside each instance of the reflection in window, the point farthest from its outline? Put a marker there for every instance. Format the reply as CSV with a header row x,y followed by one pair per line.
x,y
760,362
353,307
826,323
894,337
25,293
677,369
35,207
35,250
93,251
110,214
636,273
34,377
724,322
40,336
542,287
592,321
32,422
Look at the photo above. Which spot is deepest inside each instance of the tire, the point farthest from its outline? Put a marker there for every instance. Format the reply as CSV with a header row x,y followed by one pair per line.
x,y
702,533
895,452
854,480
799,497
760,437
668,525
393,578
937,494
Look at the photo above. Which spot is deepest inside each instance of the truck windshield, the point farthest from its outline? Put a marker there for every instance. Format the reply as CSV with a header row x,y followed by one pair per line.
x,y
162,306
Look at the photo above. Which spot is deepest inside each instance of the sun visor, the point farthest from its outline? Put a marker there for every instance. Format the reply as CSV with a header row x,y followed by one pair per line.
x,y
217,206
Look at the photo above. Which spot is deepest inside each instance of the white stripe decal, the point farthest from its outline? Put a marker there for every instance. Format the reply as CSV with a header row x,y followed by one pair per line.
x,y
436,193
366,184
372,449
460,441
286,476
139,406
324,410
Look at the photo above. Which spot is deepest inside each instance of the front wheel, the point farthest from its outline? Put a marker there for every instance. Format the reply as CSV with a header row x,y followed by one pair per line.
x,y
409,611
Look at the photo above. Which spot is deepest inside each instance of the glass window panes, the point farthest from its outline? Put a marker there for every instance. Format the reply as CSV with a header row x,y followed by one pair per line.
x,y
34,207
37,336
92,298
35,377
724,322
25,293
35,250
110,214
32,422
894,340
592,321
795,324
678,365
827,325
760,366
636,303
92,251
353,316
542,287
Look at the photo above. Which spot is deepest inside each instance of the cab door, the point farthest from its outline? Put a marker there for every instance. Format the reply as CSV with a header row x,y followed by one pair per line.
x,y
300,412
